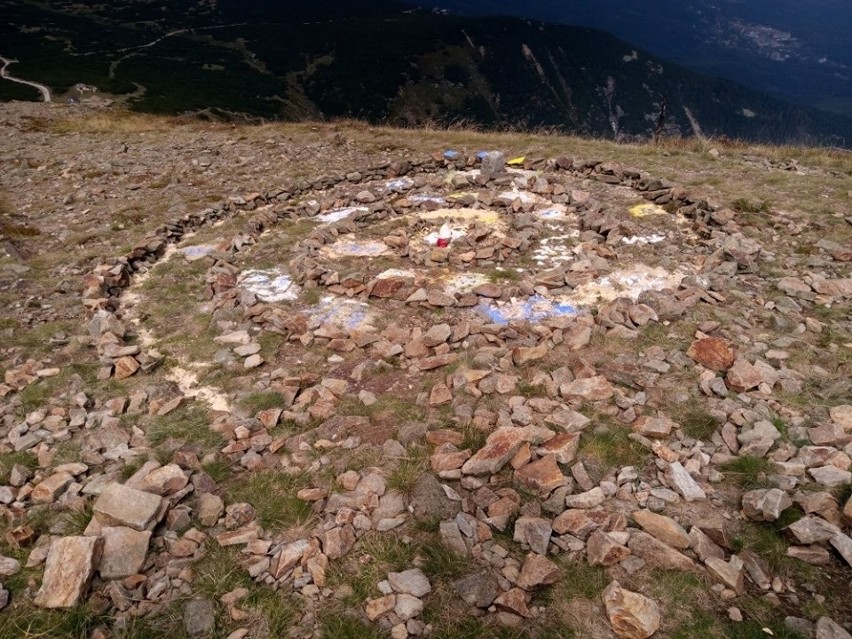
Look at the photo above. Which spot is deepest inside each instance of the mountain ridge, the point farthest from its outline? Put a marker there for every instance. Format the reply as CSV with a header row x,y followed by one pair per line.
x,y
493,72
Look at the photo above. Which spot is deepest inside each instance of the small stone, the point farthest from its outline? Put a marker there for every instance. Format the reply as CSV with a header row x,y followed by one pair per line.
x,y
210,509
410,582
743,376
407,607
657,427
542,475
632,616
829,629
515,601
377,608
437,335
493,162
126,367
589,499
713,353
843,545
842,416
535,532
479,589
165,480
524,355
681,481
537,571
51,487
603,550
765,504
338,541
831,476
199,617
663,528
656,553
811,530
499,448
729,573
593,389
9,566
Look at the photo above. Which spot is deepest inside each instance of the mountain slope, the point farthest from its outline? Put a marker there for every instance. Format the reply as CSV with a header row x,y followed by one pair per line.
x,y
799,51
386,63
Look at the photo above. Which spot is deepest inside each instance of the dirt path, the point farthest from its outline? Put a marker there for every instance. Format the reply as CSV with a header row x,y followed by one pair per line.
x,y
45,92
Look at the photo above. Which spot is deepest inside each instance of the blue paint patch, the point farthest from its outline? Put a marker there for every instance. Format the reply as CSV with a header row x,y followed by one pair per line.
x,y
533,309
345,314
451,155
481,155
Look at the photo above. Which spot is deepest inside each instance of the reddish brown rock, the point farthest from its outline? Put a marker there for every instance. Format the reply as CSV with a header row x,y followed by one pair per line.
x,y
499,448
537,571
523,355
743,376
713,353
515,601
589,388
563,447
603,550
632,616
126,367
68,570
542,475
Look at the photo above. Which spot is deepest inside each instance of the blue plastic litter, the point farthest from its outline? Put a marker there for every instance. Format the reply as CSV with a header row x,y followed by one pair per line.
x,y
451,155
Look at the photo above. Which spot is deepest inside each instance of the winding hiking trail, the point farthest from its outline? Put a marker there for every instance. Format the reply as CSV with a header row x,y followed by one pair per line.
x,y
45,92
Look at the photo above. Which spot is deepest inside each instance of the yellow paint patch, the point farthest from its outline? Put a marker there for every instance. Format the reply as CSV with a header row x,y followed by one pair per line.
x,y
468,215
517,161
644,210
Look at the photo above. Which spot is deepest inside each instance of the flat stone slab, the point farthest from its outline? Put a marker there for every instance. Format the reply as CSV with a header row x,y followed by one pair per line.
x,y
122,506
124,551
68,570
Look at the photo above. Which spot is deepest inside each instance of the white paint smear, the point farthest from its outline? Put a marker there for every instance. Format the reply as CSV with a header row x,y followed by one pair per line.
x,y
630,283
193,253
524,196
464,282
339,214
644,239
554,249
395,272
399,184
187,382
269,286
423,198
355,248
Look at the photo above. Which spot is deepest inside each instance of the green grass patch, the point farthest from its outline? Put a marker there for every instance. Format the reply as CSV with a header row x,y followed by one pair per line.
x,y
345,625
256,402
273,496
745,205
441,562
579,579
189,424
220,470
25,621
747,472
404,474
697,423
609,447
219,572
8,460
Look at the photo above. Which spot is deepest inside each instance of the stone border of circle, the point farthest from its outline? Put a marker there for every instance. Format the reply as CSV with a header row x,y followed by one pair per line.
x,y
104,285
